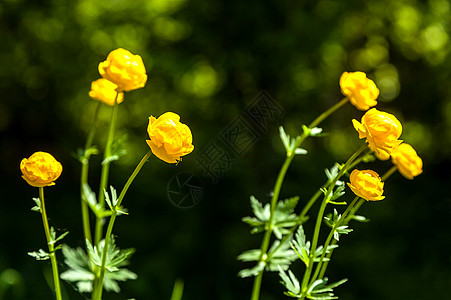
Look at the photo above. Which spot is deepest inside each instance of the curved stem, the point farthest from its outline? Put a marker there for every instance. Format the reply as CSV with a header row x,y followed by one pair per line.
x,y
105,171
84,174
51,246
389,173
267,237
319,219
99,287
328,112
329,238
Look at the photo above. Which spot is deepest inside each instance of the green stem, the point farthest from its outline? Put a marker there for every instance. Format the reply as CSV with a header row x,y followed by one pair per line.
x,y
319,219
51,246
328,112
329,238
267,237
105,171
345,222
99,288
389,173
84,174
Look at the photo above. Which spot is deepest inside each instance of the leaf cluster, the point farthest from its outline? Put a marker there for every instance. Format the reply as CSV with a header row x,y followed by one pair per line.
x,y
82,265
284,216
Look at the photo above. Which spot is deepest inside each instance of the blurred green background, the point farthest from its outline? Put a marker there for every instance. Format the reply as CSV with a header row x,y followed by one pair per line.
x,y
207,61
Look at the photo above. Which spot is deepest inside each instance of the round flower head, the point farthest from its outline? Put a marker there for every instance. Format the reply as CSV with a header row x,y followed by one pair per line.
x,y
105,91
360,90
406,159
169,138
381,131
367,185
40,169
124,69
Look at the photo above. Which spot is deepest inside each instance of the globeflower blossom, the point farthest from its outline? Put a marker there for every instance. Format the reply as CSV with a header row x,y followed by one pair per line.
x,y
367,184
40,169
381,131
169,138
124,69
360,90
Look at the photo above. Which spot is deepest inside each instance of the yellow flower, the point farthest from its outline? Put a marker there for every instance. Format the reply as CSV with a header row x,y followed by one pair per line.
x,y
105,91
169,139
406,159
124,69
367,185
381,131
360,90
40,169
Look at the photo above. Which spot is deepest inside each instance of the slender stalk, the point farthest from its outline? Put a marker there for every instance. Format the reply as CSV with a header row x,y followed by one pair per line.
x,y
319,219
177,291
105,172
389,173
98,294
267,237
329,238
328,112
51,246
84,174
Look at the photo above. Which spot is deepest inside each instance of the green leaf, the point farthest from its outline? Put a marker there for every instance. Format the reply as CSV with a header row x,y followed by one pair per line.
x,y
38,205
83,155
90,197
359,218
290,282
117,149
284,216
300,151
79,266
254,271
289,143
55,238
285,138
315,131
301,246
113,200
321,290
280,255
250,255
39,255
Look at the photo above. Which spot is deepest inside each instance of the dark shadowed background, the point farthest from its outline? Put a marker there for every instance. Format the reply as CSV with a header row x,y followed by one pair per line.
x,y
209,61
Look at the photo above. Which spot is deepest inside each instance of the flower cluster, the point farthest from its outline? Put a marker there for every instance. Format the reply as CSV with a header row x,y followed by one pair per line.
x,y
382,132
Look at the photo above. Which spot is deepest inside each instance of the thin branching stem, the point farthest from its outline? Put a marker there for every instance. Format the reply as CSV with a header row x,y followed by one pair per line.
x,y
99,287
275,197
105,171
51,246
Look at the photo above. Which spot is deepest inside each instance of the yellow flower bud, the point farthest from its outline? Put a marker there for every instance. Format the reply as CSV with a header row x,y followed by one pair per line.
x,y
381,131
406,159
367,184
360,90
169,139
124,69
40,169
105,91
